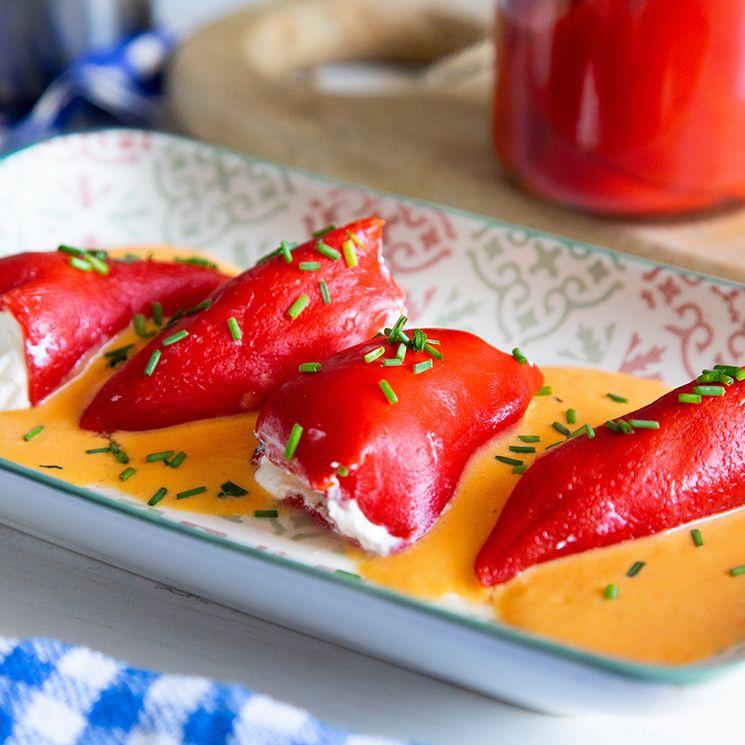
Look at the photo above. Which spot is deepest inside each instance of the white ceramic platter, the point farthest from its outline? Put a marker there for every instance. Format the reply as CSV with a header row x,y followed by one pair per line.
x,y
561,301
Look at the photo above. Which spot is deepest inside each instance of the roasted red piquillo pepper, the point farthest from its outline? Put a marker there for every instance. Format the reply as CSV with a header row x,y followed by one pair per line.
x,y
70,302
630,480
300,303
375,440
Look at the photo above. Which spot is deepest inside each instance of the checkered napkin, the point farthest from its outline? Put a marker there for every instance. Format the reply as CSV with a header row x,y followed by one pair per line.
x,y
56,694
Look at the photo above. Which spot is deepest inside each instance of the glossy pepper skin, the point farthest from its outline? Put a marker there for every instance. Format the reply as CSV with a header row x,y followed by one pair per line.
x,y
403,459
590,493
209,373
66,313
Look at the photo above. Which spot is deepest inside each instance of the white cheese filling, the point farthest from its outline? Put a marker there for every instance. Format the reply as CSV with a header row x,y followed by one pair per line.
x,y
344,515
13,370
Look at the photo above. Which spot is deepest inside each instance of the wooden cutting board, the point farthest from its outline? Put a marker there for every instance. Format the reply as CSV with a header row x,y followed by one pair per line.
x,y
252,81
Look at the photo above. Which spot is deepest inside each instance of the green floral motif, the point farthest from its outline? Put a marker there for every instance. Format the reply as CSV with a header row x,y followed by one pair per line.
x,y
455,309
593,344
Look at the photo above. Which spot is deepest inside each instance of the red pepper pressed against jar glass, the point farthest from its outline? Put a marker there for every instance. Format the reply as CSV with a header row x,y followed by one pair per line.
x,y
623,106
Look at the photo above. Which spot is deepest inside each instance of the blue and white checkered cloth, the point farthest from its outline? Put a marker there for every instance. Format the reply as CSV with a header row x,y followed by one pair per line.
x,y
56,694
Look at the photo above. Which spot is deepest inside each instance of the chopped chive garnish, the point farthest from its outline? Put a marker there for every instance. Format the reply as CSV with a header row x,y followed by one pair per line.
x,y
230,489
521,448
175,318
561,429
116,356
509,461
156,310
71,250
393,363
37,430
430,350
612,426
98,265
266,513
235,329
519,469
610,592
153,362
644,423
689,398
155,457
59,468
342,471
323,231
546,390
94,451
324,292
285,249
618,399
709,390
725,379
712,376
435,342
177,459
196,261
401,352
191,492
727,369
350,255
698,539
309,266
737,571
127,473
636,567
195,309
374,354
325,250
298,306
157,496
626,428
421,367
309,367
76,262
396,334
119,454
348,575
173,338
356,240
292,441
519,356
740,374
571,416
139,322
529,438
590,431
388,392
418,340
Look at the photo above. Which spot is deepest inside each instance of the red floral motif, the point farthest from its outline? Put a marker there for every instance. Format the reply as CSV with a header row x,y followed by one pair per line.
x,y
697,332
434,231
637,362
109,146
417,308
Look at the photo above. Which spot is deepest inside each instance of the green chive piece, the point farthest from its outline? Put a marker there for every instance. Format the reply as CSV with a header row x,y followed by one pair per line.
x,y
231,489
235,329
392,363
401,352
119,454
292,441
153,362
94,451
709,390
139,323
519,356
117,356
374,354
396,334
309,266
70,250
612,426
37,430
156,311
618,399
322,231
418,340
737,571
689,398
191,492
626,428
421,367
711,376
173,338
195,309
644,423
725,379
97,264
309,367
196,261
698,539
155,457
571,416
325,250
342,471
636,567
285,249
509,461
590,431
388,392
519,469
430,350
177,459
354,237
298,306
529,438
127,473
59,468
610,592
348,575
175,318
324,292
740,374
350,255
521,448
266,513
561,429
83,265
157,496
727,369
546,390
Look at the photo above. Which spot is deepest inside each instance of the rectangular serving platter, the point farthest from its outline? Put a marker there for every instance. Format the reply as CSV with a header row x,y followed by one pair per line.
x,y
563,302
